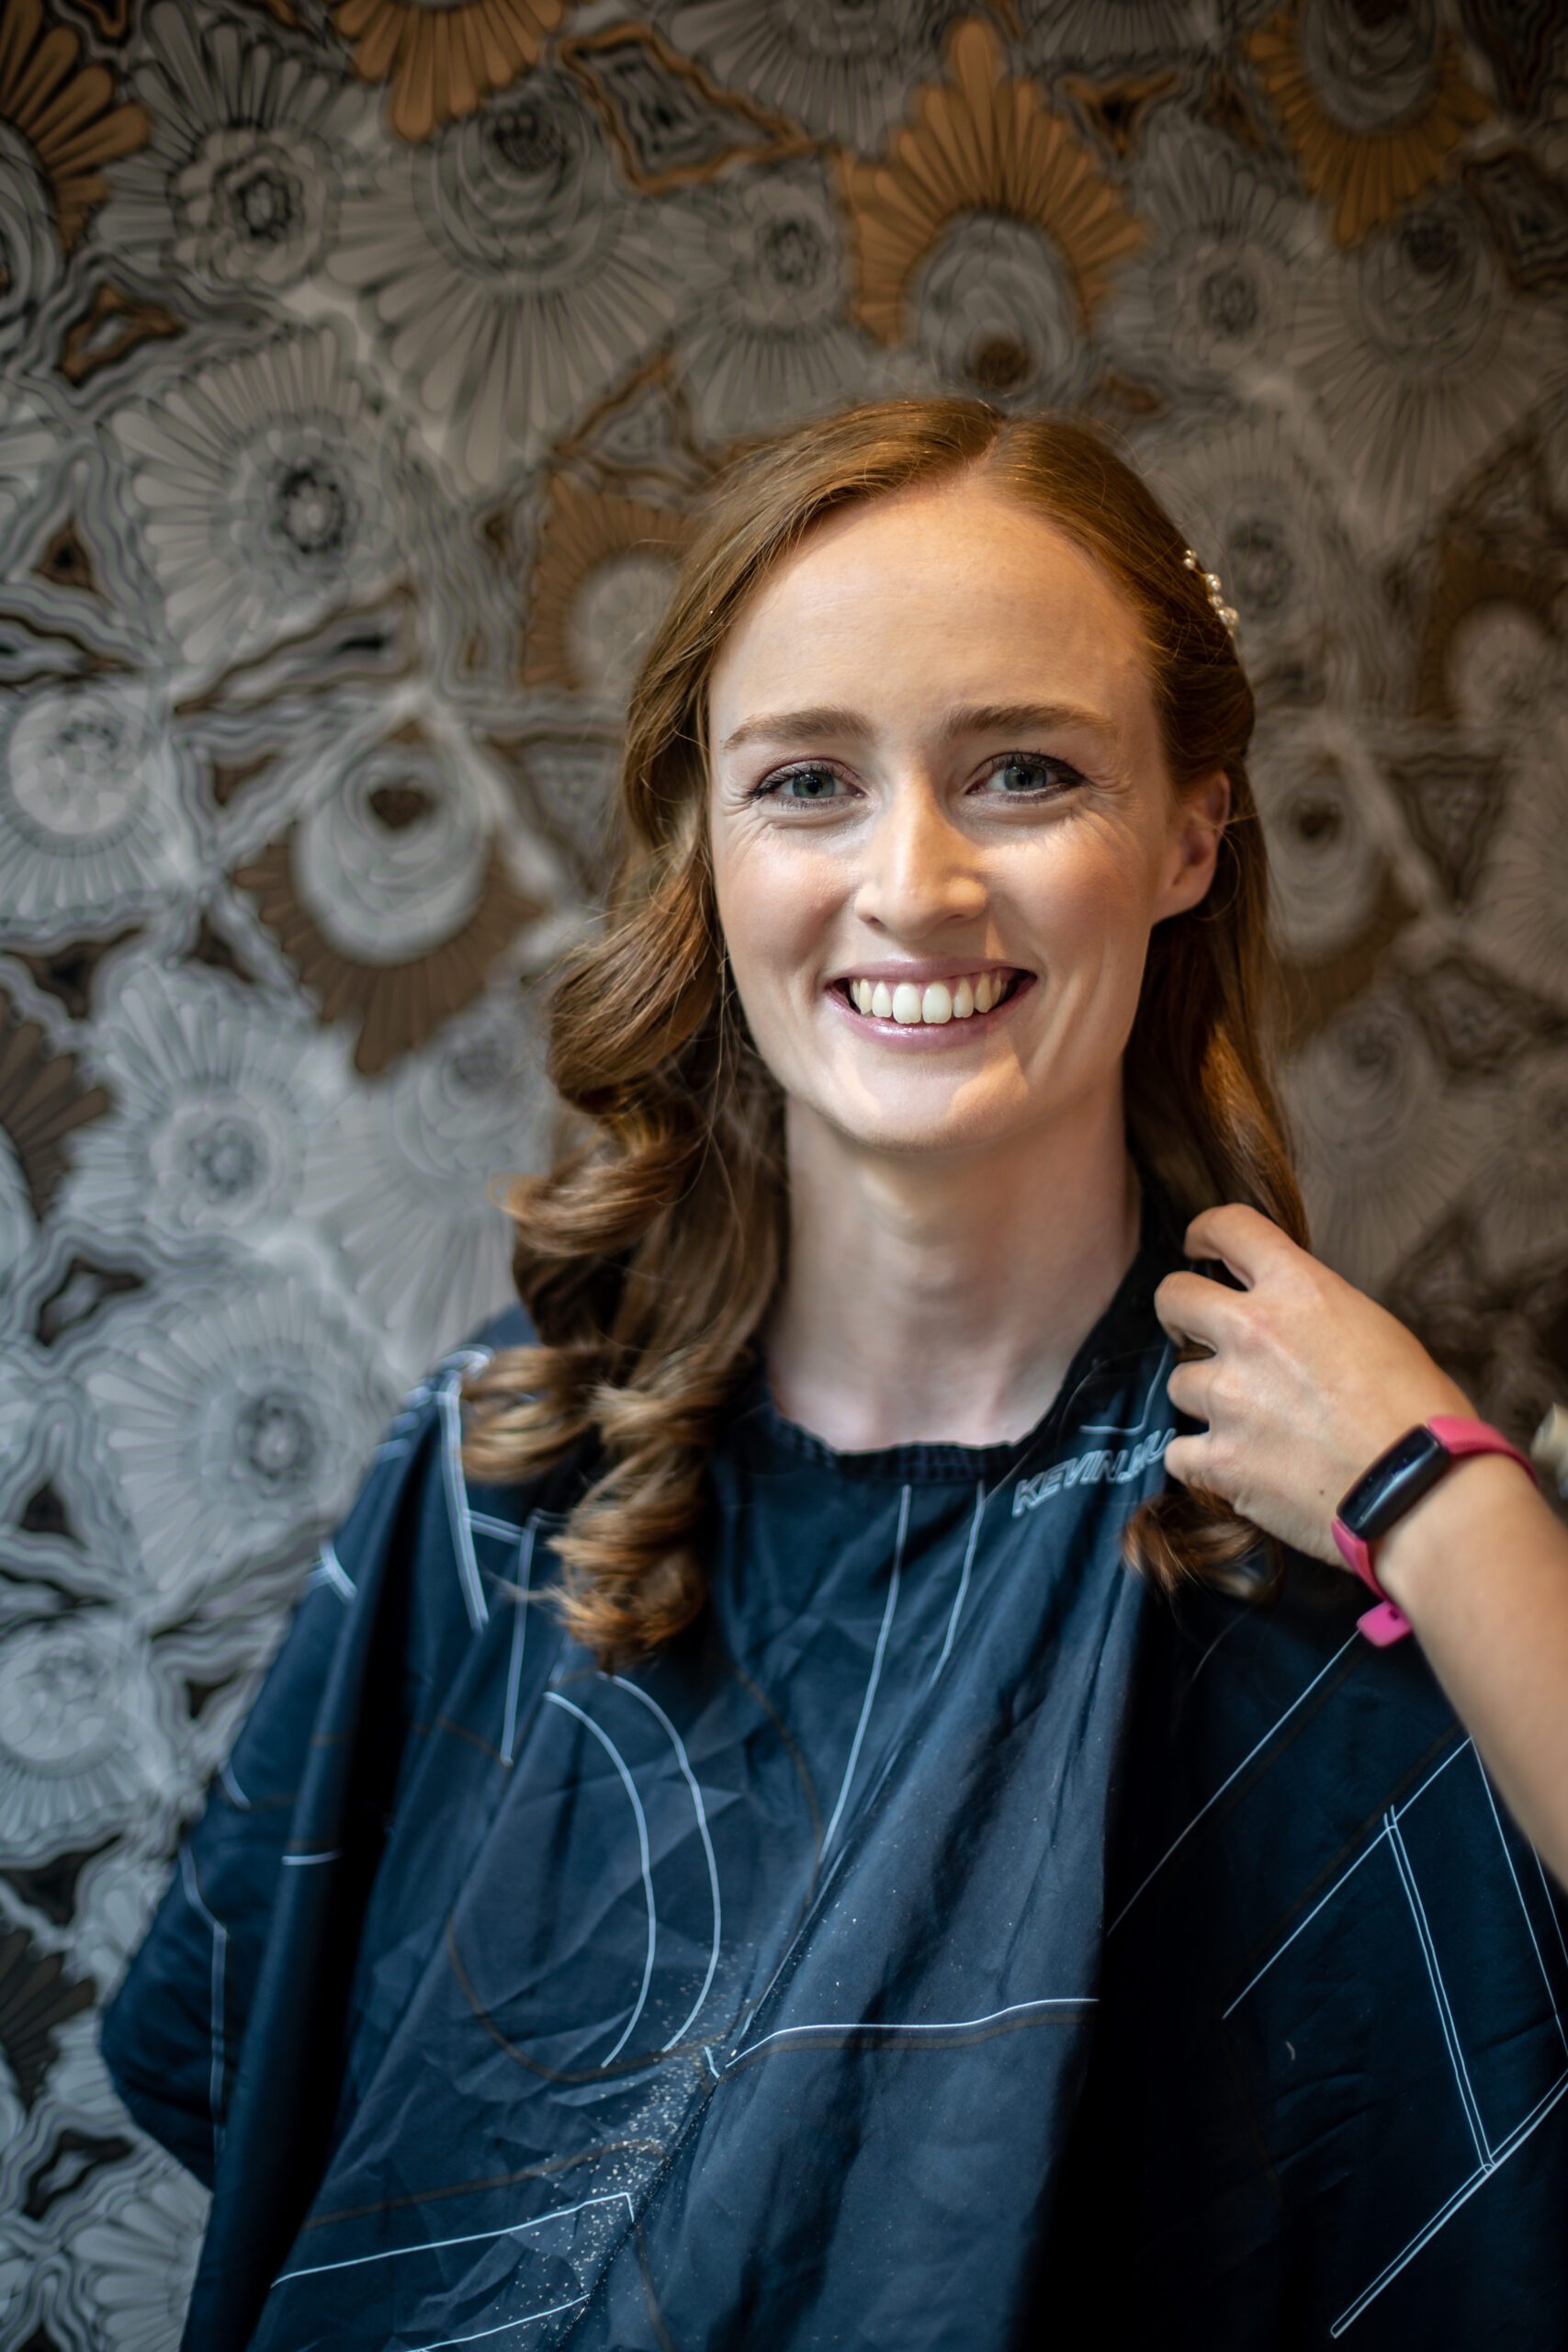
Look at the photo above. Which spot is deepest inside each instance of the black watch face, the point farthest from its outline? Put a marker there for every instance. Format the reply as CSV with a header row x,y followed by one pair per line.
x,y
1395,1481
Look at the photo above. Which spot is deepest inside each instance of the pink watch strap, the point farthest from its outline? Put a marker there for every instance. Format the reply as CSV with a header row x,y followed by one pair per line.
x,y
1460,1435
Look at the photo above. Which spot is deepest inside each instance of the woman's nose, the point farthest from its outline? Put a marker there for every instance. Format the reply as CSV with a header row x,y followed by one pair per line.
x,y
919,869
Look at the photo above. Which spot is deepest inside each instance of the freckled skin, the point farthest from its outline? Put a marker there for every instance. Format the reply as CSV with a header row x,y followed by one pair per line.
x,y
902,610
959,1211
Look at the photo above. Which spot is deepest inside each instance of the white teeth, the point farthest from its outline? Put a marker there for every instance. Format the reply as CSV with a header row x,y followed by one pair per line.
x,y
935,1004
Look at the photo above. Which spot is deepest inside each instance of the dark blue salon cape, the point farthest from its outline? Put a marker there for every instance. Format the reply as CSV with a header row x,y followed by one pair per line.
x,y
946,1942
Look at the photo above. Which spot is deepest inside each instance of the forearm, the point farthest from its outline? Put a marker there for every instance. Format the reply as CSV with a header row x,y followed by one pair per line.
x,y
1480,1567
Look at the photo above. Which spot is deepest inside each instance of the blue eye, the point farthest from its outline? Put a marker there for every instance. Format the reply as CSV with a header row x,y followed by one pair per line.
x,y
1015,775
1040,778
801,786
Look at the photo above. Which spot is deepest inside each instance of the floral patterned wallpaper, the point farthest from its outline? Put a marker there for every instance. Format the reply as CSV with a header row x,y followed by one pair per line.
x,y
360,362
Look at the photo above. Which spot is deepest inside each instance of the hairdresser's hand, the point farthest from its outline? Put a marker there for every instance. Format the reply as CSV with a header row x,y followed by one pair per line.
x,y
1309,1380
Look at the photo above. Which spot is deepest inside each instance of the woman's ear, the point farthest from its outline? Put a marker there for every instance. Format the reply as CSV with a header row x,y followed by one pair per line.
x,y
1202,816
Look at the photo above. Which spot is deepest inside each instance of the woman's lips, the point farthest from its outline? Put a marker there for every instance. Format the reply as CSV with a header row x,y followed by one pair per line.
x,y
928,1034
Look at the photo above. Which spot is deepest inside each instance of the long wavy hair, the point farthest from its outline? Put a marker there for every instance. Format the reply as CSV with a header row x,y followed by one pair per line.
x,y
648,1253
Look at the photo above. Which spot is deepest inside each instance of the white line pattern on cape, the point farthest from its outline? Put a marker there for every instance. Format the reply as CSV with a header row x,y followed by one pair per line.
x,y
457,1513
618,1760
963,1578
444,2343
875,1675
1234,1775
1467,2100
330,1570
847,2028
466,2238
194,1897
685,1764
1446,2211
1371,1847
519,1634
1518,1890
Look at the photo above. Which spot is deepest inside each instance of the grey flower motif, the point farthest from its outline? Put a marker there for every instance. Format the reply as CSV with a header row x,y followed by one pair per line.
x,y
85,1738
1519,915
392,859
1523,1199
566,780
118,1892
995,313
272,488
1214,293
614,614
237,1427
95,822
1385,1144
1503,672
840,68
1248,498
1420,357
764,338
249,147
24,2272
400,1181
136,2257
20,1414
1317,792
1370,66
511,278
214,1098
1119,36
29,242
30,442
18,1231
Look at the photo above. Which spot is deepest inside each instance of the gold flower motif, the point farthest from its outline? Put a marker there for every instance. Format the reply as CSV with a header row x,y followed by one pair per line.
x,y
442,61
589,533
397,1006
67,115
980,141
669,122
1363,174
112,324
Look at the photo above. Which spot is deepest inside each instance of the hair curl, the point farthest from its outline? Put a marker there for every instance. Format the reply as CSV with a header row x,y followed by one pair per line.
x,y
648,1253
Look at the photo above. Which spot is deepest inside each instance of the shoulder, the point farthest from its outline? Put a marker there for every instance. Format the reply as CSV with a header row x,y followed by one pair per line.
x,y
1273,1747
1283,1671
422,1535
1332,1956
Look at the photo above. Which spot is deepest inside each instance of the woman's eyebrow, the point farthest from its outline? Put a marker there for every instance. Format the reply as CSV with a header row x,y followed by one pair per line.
x,y
824,721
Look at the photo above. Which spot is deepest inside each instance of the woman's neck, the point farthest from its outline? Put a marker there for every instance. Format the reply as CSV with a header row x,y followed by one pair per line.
x,y
944,1298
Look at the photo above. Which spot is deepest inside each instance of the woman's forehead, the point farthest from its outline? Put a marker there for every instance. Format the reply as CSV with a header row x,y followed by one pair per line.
x,y
955,592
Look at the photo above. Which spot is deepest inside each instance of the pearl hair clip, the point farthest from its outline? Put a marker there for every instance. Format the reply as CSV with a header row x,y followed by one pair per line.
x,y
1228,613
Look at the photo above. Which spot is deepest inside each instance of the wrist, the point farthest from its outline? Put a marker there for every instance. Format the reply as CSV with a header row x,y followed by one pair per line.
x,y
1451,1529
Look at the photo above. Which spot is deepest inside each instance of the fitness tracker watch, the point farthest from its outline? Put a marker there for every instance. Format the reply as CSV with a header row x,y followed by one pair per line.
x,y
1400,1477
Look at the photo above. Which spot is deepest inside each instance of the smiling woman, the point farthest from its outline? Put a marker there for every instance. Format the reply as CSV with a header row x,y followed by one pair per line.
x,y
1017,768
726,1856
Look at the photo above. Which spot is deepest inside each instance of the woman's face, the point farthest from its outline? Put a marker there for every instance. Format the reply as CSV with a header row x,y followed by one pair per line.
x,y
942,827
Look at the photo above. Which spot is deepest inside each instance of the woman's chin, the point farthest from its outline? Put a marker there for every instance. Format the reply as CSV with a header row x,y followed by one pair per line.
x,y
914,1120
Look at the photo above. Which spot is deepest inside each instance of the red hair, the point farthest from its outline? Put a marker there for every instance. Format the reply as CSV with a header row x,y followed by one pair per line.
x,y
649,1254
